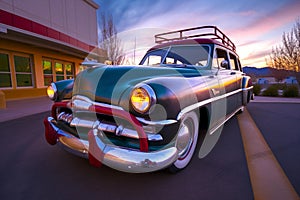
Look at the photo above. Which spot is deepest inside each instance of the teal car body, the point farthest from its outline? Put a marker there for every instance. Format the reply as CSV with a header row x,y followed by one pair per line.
x,y
151,116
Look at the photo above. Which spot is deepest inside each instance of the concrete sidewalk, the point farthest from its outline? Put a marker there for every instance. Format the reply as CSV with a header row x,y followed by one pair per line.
x,y
24,107
263,99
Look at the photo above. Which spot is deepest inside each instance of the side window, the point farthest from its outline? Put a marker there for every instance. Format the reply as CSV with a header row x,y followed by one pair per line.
x,y
170,60
240,66
234,62
219,56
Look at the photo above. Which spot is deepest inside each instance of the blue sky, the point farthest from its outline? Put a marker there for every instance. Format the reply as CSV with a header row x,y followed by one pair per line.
x,y
255,26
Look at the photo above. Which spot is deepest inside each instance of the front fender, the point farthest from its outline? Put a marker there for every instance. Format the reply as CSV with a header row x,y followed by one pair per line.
x,y
64,89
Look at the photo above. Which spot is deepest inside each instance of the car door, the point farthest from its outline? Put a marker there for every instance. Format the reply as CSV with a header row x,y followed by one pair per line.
x,y
227,76
236,69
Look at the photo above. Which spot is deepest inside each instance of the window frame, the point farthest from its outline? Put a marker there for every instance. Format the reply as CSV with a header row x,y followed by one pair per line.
x,y
64,73
10,70
13,72
216,58
31,69
51,66
177,63
235,60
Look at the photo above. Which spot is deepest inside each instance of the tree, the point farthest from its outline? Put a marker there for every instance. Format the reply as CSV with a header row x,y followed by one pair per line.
x,y
287,55
109,40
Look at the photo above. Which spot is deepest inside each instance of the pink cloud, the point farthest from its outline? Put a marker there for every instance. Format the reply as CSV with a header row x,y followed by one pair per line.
x,y
282,16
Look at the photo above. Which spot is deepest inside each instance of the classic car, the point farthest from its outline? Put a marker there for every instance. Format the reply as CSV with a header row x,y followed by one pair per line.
x,y
152,116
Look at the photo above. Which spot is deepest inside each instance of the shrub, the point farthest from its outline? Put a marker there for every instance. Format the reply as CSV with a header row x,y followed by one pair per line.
x,y
271,91
256,89
280,86
291,91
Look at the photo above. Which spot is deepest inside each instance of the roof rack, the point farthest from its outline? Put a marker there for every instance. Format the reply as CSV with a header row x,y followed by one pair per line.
x,y
211,32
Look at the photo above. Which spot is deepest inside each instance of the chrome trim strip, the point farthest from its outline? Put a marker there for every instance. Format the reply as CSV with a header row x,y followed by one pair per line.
x,y
153,123
232,93
202,103
154,137
83,99
117,130
248,88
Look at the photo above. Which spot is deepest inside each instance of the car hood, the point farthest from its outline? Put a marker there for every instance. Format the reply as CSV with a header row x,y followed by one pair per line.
x,y
107,84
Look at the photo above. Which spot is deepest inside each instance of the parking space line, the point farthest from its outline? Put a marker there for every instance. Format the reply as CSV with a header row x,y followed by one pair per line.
x,y
267,178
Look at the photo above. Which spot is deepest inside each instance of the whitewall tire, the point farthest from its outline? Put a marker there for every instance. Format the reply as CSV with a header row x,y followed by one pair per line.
x,y
186,141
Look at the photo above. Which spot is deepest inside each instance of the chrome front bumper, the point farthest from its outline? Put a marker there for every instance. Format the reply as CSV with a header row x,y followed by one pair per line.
x,y
127,160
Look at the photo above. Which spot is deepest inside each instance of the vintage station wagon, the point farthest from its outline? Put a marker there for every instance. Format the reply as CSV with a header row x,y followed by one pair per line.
x,y
151,116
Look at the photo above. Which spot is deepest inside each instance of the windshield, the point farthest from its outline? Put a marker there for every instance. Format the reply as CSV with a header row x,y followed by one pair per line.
x,y
178,56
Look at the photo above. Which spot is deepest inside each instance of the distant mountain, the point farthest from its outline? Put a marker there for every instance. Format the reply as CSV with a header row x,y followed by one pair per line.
x,y
269,72
259,72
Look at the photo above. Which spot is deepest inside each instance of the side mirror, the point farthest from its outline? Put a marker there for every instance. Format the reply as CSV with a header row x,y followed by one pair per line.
x,y
224,64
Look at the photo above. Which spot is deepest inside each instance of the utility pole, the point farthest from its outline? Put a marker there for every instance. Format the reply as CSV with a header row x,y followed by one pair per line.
x,y
134,50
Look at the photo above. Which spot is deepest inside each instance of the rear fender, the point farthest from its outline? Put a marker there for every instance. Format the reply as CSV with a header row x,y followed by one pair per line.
x,y
247,90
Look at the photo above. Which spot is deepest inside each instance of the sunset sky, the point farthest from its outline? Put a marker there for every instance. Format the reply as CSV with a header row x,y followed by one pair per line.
x,y
255,26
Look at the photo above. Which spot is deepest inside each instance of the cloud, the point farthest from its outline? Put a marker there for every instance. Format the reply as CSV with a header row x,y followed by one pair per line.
x,y
130,14
269,22
259,54
255,26
253,53
250,42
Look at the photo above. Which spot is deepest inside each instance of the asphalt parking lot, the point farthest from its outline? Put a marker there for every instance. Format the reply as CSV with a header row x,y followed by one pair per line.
x,y
32,169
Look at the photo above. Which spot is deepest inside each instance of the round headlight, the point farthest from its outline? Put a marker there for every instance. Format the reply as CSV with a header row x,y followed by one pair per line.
x,y
52,91
142,98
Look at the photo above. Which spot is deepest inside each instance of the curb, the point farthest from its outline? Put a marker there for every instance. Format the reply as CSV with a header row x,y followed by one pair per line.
x,y
263,99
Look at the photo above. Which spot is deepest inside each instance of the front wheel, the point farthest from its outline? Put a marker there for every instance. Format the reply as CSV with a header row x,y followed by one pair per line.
x,y
186,141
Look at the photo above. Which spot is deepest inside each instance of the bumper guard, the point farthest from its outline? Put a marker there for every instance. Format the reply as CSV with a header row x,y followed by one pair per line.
x,y
127,160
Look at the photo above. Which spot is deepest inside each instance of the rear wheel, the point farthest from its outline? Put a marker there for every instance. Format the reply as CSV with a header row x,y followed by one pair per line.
x,y
186,141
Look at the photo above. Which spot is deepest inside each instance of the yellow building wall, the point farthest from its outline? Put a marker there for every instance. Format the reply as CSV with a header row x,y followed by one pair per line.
x,y
37,54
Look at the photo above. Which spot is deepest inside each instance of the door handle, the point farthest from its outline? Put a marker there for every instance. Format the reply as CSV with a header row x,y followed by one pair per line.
x,y
233,73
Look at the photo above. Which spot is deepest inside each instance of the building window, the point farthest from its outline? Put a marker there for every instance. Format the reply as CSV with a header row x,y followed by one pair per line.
x,y
59,70
48,72
15,70
55,70
69,71
23,71
5,77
